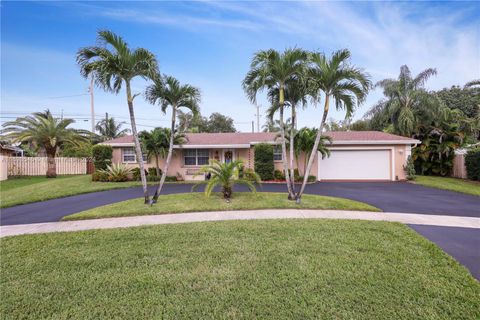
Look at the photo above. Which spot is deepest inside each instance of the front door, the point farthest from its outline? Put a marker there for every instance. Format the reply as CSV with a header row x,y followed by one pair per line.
x,y
227,155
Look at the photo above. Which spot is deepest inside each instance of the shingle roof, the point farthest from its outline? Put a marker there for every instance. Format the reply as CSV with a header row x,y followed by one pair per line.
x,y
364,136
241,138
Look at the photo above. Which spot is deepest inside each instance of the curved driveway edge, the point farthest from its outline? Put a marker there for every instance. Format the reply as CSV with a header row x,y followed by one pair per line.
x,y
387,196
123,222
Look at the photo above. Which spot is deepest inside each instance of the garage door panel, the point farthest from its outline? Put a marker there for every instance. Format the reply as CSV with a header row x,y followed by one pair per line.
x,y
355,165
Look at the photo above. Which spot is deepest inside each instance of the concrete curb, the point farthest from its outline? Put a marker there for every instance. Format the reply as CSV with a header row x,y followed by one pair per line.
x,y
124,222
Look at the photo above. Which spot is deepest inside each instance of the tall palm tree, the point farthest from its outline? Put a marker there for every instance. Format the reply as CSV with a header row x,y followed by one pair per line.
x,y
169,93
156,143
109,129
305,140
43,130
407,99
272,70
339,81
225,175
296,93
111,64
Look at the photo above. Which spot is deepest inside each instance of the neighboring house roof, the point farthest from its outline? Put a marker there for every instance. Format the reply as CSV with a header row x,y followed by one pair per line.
x,y
245,140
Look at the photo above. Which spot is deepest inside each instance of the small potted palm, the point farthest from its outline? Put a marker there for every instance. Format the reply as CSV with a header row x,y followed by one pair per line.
x,y
225,175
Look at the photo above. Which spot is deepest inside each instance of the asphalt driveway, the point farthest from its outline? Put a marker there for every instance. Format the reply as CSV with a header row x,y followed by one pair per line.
x,y
388,196
462,243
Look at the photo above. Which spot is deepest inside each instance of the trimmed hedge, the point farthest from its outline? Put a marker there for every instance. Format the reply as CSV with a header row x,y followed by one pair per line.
x,y
263,161
102,156
472,163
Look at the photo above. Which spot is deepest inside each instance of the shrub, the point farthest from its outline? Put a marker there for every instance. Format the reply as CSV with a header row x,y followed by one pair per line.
x,y
153,171
296,175
248,174
117,173
170,178
472,163
310,178
102,156
263,161
410,169
100,176
278,175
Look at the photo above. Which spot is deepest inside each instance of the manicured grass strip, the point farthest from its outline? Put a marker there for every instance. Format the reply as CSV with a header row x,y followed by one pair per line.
x,y
32,189
191,202
452,184
265,269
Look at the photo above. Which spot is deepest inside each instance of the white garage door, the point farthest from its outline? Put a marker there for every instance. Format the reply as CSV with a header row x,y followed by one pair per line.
x,y
355,165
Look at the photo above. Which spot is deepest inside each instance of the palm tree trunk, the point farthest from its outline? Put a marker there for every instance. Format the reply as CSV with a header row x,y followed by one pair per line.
x,y
292,133
138,149
284,147
169,156
314,149
51,165
157,165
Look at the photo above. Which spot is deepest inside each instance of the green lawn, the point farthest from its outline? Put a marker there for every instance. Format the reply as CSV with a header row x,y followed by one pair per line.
x,y
32,189
265,269
191,202
452,184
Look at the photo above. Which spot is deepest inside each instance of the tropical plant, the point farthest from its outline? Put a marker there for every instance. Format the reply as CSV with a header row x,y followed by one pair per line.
x,y
156,144
271,71
339,81
41,129
117,172
440,137
169,93
407,100
111,64
109,129
226,175
305,141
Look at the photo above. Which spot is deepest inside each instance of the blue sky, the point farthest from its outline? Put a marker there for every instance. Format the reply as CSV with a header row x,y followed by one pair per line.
x,y
210,44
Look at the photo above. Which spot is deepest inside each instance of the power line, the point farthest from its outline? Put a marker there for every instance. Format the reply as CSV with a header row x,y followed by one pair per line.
x,y
70,96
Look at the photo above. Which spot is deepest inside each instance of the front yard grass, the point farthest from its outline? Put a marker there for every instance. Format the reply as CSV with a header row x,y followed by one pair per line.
x,y
32,189
191,202
264,269
452,184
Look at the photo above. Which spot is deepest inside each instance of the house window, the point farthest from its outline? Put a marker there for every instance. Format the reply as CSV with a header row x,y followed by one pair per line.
x,y
196,157
129,155
277,153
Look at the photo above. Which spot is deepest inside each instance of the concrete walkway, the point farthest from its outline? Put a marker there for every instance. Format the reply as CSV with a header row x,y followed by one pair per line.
x,y
123,222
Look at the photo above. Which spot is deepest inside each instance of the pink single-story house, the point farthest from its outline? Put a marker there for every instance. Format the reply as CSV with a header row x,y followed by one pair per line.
x,y
355,155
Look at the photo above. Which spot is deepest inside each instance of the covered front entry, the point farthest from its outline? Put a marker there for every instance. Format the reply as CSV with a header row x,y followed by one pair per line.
x,y
356,164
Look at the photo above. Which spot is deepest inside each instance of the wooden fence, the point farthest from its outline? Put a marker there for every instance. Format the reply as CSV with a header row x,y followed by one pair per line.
x,y
37,166
459,169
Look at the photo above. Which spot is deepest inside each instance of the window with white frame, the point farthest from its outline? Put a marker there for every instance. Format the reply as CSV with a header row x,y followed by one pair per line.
x,y
195,157
129,155
277,153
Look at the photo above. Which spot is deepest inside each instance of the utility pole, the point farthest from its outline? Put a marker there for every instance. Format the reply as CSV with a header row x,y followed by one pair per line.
x,y
92,109
253,126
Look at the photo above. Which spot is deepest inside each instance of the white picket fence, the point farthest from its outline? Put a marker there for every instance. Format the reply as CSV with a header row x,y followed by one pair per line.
x,y
37,166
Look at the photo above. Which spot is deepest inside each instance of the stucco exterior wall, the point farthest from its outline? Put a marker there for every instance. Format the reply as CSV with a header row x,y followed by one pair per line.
x,y
398,153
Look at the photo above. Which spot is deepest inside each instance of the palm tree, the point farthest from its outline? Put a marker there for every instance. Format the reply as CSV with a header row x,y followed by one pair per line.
x,y
109,129
168,92
111,64
225,175
43,130
156,143
407,99
305,140
339,81
296,93
272,71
